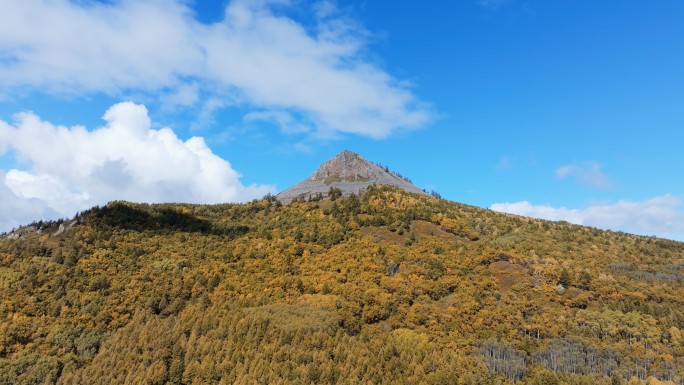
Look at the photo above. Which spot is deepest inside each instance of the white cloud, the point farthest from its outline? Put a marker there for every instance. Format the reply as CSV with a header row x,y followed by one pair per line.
x,y
183,95
661,215
71,168
15,211
284,120
587,173
255,56
92,46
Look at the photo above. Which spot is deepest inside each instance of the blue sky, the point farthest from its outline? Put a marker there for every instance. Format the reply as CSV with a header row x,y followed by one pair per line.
x,y
556,109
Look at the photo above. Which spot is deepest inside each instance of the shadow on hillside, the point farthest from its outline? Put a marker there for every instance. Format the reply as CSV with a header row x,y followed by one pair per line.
x,y
157,218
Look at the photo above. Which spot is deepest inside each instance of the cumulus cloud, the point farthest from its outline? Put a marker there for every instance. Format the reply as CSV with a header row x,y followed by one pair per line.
x,y
15,211
70,168
255,56
661,216
588,174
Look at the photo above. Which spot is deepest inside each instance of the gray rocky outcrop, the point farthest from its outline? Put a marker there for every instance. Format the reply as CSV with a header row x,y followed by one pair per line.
x,y
349,172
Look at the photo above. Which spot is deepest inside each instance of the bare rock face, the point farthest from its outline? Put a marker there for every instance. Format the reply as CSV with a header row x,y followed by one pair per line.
x,y
63,228
346,166
349,172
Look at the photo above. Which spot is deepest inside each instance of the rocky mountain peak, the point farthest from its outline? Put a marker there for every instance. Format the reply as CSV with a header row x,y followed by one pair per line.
x,y
349,172
346,165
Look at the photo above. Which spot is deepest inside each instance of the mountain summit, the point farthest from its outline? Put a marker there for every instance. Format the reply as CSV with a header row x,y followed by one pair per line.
x,y
349,172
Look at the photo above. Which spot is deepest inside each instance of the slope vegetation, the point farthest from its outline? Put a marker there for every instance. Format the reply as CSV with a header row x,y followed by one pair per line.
x,y
387,288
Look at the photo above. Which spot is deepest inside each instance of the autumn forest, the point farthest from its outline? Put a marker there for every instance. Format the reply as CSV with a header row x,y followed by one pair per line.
x,y
387,287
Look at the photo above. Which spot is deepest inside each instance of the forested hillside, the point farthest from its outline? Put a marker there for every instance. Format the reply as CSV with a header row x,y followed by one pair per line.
x,y
387,288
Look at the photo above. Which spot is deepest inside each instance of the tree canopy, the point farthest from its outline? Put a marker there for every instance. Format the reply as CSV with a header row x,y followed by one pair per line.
x,y
385,288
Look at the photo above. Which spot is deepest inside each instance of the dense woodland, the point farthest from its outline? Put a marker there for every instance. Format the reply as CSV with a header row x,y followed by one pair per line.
x,y
386,288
